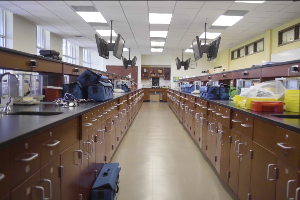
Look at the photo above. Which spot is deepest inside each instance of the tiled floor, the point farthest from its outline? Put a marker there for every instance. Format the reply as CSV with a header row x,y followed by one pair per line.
x,y
160,161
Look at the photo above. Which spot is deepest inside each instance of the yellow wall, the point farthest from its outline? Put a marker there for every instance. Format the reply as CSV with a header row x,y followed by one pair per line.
x,y
275,47
270,47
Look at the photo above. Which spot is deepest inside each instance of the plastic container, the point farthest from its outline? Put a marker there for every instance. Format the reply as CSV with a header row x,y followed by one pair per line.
x,y
51,94
267,106
245,102
292,107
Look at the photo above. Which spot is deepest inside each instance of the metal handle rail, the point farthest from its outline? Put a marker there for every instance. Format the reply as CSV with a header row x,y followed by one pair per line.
x,y
33,156
283,146
235,145
288,188
297,191
268,172
50,187
39,188
238,151
2,176
55,142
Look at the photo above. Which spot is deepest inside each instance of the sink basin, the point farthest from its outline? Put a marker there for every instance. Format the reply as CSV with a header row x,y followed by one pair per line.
x,y
35,113
287,116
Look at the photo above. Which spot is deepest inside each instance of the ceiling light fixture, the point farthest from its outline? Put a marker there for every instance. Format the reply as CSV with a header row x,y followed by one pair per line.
x,y
92,17
106,33
210,36
249,1
189,51
224,20
157,44
155,18
158,34
156,49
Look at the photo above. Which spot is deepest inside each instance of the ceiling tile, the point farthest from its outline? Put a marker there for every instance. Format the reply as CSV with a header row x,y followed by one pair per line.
x,y
161,10
295,7
186,11
134,10
158,4
79,3
243,6
159,27
106,3
189,4
259,14
134,3
270,7
216,5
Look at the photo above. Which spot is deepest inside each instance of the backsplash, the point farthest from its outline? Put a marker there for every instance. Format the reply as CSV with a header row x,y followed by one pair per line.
x,y
162,82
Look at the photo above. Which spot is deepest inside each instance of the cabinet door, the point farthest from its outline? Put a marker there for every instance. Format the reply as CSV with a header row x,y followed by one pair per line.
x,y
85,174
197,127
6,197
29,189
234,162
50,145
4,172
287,181
164,95
203,134
50,179
243,149
100,147
108,130
223,151
260,186
70,160
212,141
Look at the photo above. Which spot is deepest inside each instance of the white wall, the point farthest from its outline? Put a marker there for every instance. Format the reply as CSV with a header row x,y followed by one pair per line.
x,y
56,43
97,62
156,60
24,35
9,30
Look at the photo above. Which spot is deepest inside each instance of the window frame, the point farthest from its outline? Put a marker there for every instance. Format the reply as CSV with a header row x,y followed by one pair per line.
x,y
246,53
86,55
3,24
42,38
296,30
72,50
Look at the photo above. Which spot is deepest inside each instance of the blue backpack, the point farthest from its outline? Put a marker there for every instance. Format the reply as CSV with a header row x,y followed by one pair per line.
x,y
101,91
74,88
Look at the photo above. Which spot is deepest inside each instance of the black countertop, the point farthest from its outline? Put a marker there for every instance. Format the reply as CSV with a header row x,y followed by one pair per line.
x,y
15,128
287,123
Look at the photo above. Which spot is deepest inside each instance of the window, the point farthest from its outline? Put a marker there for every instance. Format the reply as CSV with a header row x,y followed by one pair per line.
x,y
86,58
249,49
238,53
289,35
2,27
40,39
69,52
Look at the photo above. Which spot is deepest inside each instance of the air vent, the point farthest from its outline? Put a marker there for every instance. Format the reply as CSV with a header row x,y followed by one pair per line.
x,y
84,8
79,36
235,12
99,24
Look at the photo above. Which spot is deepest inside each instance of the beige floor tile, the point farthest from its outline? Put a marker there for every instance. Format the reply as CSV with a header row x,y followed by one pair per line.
x,y
160,161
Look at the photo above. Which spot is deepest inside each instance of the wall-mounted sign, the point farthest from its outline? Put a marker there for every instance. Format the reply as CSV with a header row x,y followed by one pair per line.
x,y
175,78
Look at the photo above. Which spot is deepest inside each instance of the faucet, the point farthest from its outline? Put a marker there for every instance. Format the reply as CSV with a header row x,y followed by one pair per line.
x,y
7,108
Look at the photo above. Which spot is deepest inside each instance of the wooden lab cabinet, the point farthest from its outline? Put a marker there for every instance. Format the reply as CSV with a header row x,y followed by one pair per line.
x,y
5,179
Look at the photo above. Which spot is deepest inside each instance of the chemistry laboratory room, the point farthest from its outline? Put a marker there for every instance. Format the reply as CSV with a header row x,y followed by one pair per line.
x,y
150,100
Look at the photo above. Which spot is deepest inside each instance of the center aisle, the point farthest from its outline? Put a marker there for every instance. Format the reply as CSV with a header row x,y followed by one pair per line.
x,y
159,161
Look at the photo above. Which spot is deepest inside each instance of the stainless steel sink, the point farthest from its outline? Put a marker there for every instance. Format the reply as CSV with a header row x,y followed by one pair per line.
x,y
287,116
35,113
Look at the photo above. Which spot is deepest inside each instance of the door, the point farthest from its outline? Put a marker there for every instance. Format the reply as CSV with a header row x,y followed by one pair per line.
x,y
70,161
263,173
243,148
50,179
234,162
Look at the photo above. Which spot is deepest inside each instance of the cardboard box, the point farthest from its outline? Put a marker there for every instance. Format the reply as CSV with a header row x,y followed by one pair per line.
x,y
154,98
211,71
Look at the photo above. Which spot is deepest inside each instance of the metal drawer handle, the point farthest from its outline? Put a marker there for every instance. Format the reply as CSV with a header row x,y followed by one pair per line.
x,y
196,114
288,188
214,111
209,109
87,124
2,176
246,125
39,188
88,150
204,107
219,114
33,156
235,145
93,119
225,117
268,172
238,151
297,191
56,142
92,143
50,187
99,116
235,121
81,157
283,146
123,111
221,135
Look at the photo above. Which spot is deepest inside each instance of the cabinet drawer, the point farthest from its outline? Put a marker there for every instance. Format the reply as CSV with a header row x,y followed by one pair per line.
x,y
50,145
24,159
88,124
288,146
6,197
29,189
211,110
50,172
223,116
4,172
242,123
264,134
70,130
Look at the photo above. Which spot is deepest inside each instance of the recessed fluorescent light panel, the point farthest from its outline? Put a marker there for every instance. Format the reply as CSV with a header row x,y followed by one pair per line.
x,y
224,20
210,36
249,1
158,34
125,49
189,51
157,44
106,32
156,49
92,17
155,18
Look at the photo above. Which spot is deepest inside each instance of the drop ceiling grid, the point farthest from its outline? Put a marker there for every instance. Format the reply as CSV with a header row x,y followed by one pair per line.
x,y
188,19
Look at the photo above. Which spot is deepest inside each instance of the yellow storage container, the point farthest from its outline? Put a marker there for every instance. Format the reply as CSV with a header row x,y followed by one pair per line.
x,y
292,106
246,102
